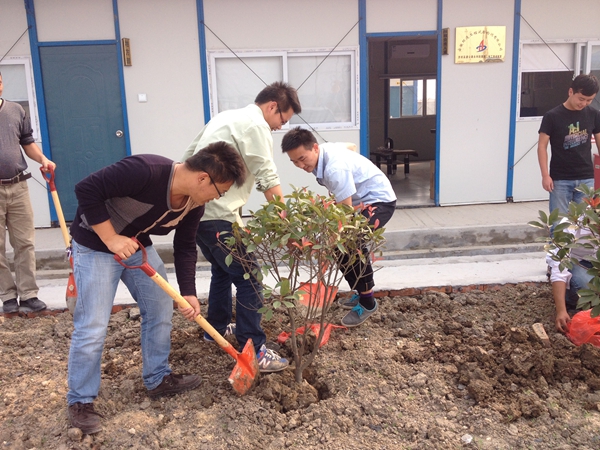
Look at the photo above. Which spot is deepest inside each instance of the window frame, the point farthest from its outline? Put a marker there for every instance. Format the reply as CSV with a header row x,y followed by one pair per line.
x,y
31,98
580,55
424,109
352,52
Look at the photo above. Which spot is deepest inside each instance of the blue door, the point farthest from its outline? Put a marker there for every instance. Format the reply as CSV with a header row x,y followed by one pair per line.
x,y
84,113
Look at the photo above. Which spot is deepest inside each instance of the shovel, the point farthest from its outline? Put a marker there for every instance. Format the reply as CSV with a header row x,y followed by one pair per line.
x,y
245,372
71,296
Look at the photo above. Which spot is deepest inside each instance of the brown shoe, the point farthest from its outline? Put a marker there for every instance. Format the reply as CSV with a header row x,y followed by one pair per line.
x,y
83,416
173,384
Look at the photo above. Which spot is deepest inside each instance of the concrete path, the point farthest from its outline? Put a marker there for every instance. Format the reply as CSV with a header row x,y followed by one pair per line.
x,y
426,247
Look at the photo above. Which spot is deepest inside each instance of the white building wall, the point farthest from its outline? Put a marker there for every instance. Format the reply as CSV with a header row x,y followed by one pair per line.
x,y
551,19
559,19
280,24
475,111
74,20
165,56
393,16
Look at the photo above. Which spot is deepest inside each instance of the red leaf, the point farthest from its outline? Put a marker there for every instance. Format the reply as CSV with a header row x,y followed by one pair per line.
x,y
306,242
593,202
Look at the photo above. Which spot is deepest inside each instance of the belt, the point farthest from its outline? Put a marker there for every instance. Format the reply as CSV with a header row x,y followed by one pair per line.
x,y
16,179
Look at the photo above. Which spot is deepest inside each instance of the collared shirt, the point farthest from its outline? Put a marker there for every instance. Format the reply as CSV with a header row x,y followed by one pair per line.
x,y
349,174
248,131
579,253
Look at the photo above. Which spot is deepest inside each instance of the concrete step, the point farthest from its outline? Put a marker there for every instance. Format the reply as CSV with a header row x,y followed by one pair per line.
x,y
400,244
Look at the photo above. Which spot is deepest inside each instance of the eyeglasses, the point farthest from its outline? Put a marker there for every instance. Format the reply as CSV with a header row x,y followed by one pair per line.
x,y
283,122
221,194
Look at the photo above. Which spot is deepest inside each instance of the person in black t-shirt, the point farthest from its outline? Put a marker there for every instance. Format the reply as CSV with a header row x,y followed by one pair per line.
x,y
569,128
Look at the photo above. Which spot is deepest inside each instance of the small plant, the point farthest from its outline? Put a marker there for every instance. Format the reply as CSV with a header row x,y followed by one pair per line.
x,y
294,249
582,216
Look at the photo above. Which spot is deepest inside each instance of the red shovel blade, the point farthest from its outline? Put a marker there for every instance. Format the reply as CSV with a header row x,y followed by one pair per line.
x,y
245,372
71,296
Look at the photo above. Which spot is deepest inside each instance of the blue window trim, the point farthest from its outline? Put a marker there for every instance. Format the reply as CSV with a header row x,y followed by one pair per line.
x,y
203,60
513,103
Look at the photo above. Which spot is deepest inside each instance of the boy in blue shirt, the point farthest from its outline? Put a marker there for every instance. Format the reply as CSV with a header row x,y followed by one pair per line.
x,y
352,180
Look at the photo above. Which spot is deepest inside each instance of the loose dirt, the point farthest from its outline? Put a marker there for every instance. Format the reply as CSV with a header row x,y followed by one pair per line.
x,y
430,371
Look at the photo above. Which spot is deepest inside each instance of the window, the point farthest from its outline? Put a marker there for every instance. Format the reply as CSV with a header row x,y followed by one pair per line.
x,y
18,87
406,97
328,94
547,72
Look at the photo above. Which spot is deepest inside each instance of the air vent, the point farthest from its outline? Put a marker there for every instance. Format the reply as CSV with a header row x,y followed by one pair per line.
x,y
410,51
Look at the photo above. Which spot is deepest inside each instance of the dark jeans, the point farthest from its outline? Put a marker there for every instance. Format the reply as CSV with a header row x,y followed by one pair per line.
x,y
248,292
364,282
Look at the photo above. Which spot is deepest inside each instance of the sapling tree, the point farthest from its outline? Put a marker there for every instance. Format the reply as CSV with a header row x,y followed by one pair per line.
x,y
293,248
583,216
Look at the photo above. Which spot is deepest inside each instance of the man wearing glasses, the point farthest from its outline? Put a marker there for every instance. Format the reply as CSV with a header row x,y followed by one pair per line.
x,y
138,196
249,131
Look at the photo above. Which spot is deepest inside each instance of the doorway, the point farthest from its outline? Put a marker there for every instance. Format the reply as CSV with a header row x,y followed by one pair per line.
x,y
402,110
84,111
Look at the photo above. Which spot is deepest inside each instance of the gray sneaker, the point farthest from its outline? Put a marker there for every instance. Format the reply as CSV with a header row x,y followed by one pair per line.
x,y
269,361
358,315
33,304
10,306
349,303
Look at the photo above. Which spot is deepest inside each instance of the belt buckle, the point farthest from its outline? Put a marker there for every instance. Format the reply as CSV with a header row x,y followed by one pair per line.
x,y
13,180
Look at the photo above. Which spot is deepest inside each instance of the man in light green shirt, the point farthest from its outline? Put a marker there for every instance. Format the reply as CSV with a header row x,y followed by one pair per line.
x,y
249,131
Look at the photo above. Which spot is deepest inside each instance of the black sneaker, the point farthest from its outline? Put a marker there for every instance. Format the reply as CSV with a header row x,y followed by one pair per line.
x,y
34,304
83,416
10,306
173,384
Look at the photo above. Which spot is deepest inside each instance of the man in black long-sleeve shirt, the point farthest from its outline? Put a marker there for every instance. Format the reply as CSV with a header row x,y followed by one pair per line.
x,y
136,197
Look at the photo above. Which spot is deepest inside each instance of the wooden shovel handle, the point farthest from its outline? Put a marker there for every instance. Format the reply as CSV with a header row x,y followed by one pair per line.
x,y
182,302
49,177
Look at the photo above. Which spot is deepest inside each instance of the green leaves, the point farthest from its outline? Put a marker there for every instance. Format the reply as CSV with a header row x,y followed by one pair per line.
x,y
304,233
295,244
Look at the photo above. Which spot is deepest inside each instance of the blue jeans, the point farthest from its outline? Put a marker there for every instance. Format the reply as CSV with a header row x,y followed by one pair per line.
x,y
248,292
564,192
97,275
579,280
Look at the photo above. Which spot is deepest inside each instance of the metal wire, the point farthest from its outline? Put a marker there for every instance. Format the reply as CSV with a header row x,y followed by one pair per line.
x,y
301,84
538,35
531,148
8,51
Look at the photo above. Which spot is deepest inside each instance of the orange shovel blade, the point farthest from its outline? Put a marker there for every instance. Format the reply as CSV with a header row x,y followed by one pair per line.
x,y
245,372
